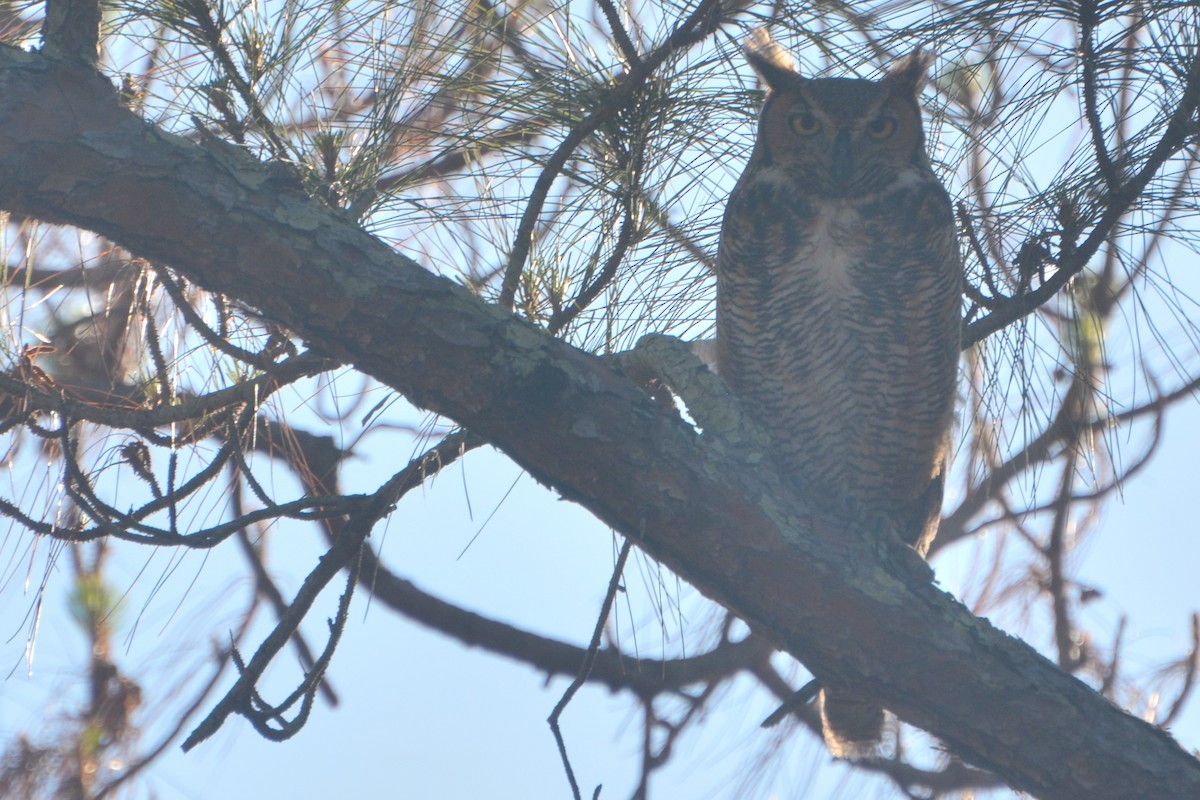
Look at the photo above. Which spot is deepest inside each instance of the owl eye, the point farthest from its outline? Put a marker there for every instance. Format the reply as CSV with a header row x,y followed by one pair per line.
x,y
804,123
881,127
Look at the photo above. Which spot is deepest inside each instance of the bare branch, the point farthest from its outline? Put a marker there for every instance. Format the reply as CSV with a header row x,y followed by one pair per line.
x,y
1180,129
699,24
72,30
589,661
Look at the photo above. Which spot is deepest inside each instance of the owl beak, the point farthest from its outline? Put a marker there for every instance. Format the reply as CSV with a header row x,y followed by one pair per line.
x,y
843,160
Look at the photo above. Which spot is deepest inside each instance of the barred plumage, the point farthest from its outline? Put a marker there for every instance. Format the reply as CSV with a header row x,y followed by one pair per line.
x,y
838,305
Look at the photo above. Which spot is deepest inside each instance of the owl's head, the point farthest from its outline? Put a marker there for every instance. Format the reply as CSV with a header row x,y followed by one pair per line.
x,y
838,136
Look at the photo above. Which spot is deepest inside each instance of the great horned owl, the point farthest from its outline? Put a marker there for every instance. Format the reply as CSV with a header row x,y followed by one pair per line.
x,y
838,306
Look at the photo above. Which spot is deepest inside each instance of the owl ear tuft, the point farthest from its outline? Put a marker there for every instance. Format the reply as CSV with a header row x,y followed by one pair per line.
x,y
909,74
773,64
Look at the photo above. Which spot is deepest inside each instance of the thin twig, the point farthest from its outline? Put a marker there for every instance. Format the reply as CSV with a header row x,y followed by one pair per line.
x,y
590,659
267,588
214,37
346,551
589,293
1088,21
697,25
1191,665
1055,552
1179,131
624,44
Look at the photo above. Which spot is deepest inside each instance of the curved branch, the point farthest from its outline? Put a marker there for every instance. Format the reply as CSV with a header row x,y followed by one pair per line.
x,y
698,24
645,677
1181,128
1089,20
37,396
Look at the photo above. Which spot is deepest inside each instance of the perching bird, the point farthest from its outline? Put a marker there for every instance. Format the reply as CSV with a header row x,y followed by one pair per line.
x,y
838,307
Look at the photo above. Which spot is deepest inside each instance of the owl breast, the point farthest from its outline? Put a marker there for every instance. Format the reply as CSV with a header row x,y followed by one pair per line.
x,y
837,327
831,249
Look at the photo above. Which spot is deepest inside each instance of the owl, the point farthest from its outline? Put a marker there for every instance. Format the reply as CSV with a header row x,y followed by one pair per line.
x,y
838,307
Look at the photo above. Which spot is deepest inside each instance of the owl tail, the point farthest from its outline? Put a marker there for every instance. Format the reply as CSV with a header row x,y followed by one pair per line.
x,y
853,727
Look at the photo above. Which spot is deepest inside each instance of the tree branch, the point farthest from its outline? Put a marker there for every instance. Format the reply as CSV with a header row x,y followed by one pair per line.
x,y
71,30
1180,129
